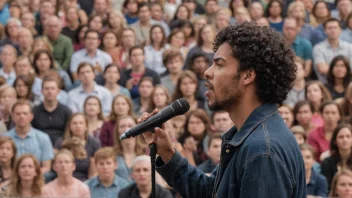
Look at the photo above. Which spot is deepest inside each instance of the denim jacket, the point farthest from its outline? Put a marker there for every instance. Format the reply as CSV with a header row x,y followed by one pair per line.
x,y
262,159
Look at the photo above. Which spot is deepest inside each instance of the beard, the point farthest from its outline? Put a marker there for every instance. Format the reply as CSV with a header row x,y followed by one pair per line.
x,y
233,95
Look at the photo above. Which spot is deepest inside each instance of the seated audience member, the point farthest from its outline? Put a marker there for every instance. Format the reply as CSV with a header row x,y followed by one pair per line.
x,y
112,76
130,78
301,46
8,58
221,121
325,51
128,40
316,93
199,64
346,103
145,89
25,41
128,149
94,115
303,114
8,154
316,183
159,98
173,61
274,12
300,135
107,183
320,138
214,151
263,21
62,45
23,86
27,179
338,77
88,87
24,67
77,128
340,151
141,174
286,113
297,92
65,185
90,54
29,139
189,147
12,28
51,116
121,106
8,97
187,85
341,185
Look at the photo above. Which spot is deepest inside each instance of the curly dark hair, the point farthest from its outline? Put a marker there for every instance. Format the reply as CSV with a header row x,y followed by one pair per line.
x,y
264,51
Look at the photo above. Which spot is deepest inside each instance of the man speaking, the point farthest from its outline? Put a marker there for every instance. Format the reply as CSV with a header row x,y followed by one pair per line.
x,y
252,72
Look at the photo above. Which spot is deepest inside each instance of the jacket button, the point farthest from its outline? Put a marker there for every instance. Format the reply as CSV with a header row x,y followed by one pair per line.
x,y
227,150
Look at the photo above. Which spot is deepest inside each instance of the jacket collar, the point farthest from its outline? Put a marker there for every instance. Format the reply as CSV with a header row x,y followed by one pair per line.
x,y
255,118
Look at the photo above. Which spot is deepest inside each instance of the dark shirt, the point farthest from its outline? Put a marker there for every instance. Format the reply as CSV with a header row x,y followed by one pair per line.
x,y
72,34
329,168
107,133
207,166
52,123
87,6
82,165
131,191
317,185
334,94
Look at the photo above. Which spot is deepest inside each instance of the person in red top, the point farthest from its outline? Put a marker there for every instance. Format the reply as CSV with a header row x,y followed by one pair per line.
x,y
321,136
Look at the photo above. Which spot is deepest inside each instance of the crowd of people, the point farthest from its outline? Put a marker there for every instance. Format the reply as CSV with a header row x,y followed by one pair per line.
x,y
75,75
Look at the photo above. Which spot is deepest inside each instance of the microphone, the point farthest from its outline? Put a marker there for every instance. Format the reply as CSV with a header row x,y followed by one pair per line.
x,y
176,108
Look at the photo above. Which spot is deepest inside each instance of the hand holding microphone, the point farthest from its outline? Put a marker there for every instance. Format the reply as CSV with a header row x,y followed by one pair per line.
x,y
155,122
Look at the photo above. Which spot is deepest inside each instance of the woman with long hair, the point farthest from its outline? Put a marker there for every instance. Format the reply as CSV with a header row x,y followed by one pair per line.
x,y
177,40
77,127
160,98
26,179
274,14
316,93
80,37
204,43
128,40
23,86
94,114
346,103
286,113
121,106
198,126
116,22
320,138
128,149
8,97
65,185
303,113
341,185
8,152
43,63
321,12
186,87
109,45
111,76
153,51
340,151
338,77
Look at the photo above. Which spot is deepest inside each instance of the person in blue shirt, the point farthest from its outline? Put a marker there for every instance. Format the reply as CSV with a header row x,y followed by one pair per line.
x,y
316,182
4,12
252,72
107,184
28,139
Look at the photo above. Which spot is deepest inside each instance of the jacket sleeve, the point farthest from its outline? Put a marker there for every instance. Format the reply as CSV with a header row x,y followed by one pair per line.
x,y
186,179
274,176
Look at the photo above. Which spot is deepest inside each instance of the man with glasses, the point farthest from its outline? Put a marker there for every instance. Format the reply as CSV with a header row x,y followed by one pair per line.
x,y
90,54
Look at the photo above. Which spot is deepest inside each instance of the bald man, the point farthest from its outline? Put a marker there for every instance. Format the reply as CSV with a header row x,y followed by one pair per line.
x,y
62,45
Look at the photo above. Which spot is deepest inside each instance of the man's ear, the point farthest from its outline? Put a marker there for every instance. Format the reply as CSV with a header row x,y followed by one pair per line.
x,y
249,76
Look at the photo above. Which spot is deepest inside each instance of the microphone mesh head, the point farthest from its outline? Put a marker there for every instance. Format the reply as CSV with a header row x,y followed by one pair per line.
x,y
180,106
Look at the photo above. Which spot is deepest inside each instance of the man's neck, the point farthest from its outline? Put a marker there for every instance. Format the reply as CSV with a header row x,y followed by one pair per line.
x,y
91,52
88,87
65,180
289,42
308,174
138,69
50,105
73,25
53,38
241,111
23,131
107,181
7,69
174,76
145,23
334,43
145,190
